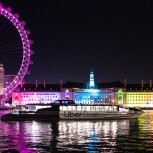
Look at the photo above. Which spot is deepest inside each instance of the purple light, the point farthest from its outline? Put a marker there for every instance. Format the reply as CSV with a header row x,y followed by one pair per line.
x,y
13,18
16,15
23,23
1,5
31,42
28,32
9,9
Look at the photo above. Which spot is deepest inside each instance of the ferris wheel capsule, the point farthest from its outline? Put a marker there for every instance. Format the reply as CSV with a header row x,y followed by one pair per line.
x,y
32,52
28,32
23,23
9,9
28,72
31,42
31,62
16,15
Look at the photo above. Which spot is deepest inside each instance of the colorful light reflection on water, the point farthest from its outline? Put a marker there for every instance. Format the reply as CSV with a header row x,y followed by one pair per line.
x,y
78,136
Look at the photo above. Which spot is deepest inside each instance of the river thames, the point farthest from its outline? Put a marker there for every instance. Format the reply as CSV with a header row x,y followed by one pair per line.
x,y
115,136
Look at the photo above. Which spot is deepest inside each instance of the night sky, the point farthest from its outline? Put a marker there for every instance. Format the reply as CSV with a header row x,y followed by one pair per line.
x,y
71,37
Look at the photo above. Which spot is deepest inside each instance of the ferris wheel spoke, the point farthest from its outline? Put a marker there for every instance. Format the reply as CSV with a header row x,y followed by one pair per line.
x,y
3,23
4,40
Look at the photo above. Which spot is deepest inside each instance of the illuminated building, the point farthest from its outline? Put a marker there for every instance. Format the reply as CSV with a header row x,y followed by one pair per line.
x,y
1,79
131,95
140,97
8,79
40,94
79,92
36,97
136,95
92,95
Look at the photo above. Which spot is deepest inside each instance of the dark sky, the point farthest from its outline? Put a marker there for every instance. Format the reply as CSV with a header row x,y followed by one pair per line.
x,y
113,37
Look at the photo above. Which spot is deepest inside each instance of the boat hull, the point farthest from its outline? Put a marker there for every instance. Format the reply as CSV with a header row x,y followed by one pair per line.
x,y
70,115
96,115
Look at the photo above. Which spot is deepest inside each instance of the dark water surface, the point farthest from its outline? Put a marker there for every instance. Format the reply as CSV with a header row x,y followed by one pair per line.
x,y
116,136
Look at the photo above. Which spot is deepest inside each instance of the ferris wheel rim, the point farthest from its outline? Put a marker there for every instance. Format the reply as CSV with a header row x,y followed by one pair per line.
x,y
26,43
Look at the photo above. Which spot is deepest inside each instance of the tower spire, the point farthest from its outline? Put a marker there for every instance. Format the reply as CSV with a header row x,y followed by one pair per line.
x,y
92,82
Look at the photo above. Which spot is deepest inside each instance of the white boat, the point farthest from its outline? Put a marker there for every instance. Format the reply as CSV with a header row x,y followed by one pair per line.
x,y
71,111
97,112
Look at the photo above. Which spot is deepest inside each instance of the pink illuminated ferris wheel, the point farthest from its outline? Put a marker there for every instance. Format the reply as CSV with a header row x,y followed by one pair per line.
x,y
15,50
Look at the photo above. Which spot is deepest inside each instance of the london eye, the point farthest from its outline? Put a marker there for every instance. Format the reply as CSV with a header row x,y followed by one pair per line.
x,y
15,50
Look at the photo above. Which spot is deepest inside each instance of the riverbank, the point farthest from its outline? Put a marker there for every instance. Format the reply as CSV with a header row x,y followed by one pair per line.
x,y
146,108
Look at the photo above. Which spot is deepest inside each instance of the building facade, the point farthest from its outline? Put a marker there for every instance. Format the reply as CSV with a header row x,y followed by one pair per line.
x,y
131,95
40,94
24,98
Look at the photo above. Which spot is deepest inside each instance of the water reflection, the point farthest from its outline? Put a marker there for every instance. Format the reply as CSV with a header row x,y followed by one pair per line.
x,y
79,136
94,135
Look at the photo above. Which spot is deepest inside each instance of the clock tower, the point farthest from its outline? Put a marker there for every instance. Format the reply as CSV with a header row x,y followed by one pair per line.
x,y
92,82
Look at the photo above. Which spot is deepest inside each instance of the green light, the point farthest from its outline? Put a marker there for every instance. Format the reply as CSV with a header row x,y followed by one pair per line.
x,y
120,97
